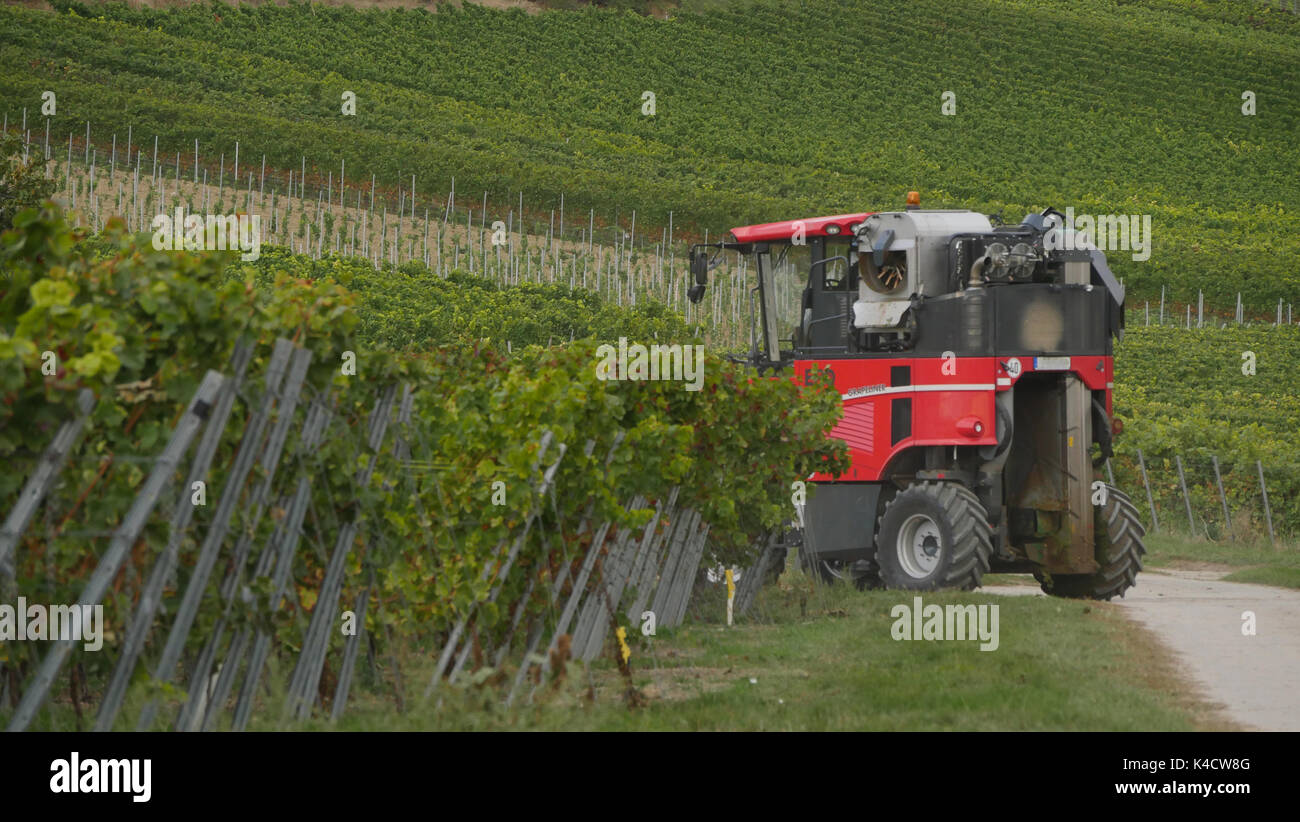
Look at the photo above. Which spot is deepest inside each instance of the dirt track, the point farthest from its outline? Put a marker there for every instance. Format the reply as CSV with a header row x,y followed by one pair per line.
x,y
1198,616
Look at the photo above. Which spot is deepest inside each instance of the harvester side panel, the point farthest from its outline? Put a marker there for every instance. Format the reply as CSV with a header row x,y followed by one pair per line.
x,y
895,403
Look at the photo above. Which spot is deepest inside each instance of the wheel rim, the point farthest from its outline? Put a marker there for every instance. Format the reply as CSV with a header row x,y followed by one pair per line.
x,y
919,545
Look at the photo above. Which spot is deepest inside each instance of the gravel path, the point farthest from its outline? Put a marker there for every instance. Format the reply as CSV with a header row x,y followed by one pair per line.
x,y
1200,617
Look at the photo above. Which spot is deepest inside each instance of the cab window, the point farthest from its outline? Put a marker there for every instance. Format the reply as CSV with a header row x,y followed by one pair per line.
x,y
837,274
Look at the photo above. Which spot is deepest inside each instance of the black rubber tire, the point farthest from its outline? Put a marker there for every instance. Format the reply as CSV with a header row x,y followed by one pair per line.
x,y
965,537
1119,535
869,580
832,572
820,568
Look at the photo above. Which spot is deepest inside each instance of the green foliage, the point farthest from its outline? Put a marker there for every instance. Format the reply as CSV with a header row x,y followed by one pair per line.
x,y
22,181
482,414
140,328
408,306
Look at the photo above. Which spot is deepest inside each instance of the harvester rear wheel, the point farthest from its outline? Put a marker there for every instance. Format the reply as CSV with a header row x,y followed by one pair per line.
x,y
1119,535
934,535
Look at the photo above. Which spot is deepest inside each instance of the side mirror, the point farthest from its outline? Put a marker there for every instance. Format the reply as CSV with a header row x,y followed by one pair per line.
x,y
700,267
695,293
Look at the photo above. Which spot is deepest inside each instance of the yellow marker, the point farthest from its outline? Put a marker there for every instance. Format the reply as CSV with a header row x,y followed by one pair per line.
x,y
1071,444
731,593
621,633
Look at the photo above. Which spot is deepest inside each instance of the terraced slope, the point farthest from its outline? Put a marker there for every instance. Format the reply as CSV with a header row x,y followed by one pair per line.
x,y
763,110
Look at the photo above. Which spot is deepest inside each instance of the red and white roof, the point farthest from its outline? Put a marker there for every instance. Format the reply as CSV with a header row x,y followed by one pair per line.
x,y
784,230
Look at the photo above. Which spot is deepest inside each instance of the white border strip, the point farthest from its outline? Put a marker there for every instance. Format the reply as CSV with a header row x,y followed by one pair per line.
x,y
906,389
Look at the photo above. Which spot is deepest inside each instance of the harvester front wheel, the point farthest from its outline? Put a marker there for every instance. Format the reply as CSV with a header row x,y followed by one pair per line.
x,y
934,535
1119,535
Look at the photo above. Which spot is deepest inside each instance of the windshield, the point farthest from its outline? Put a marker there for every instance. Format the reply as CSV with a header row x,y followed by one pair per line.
x,y
789,276
793,321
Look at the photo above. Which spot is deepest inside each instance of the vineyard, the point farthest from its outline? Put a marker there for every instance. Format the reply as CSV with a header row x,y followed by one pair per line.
x,y
608,262
1185,393
427,513
551,105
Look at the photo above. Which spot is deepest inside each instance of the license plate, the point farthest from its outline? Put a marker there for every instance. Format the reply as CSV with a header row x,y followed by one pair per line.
x,y
1051,363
